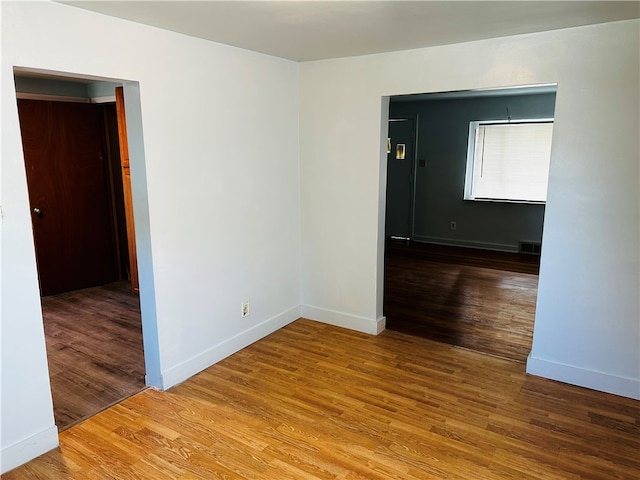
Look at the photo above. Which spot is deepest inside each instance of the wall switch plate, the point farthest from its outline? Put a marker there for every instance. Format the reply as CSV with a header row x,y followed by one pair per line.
x,y
453,225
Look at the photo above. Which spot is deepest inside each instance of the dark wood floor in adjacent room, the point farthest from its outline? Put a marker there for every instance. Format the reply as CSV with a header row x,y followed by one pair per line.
x,y
318,402
477,299
94,349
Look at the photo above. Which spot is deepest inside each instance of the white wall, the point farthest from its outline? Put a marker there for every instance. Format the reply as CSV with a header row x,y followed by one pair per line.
x,y
216,197
587,321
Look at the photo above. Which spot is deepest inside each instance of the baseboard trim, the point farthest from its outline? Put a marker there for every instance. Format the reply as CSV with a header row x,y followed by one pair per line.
x,y
345,320
154,381
452,242
603,382
21,452
197,363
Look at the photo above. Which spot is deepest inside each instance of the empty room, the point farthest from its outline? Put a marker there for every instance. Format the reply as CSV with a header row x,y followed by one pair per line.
x,y
258,152
467,177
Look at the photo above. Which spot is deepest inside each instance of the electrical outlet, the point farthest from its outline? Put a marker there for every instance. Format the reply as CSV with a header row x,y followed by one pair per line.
x,y
244,312
452,225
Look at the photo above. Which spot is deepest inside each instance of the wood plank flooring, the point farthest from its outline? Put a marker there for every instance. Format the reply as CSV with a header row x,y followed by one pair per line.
x,y
477,299
313,401
94,349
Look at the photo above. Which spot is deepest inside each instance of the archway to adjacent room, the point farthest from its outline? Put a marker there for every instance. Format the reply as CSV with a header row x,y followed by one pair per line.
x,y
467,271
95,325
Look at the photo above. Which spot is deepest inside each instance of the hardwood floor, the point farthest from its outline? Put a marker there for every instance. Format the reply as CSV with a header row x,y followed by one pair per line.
x,y
313,401
477,299
94,349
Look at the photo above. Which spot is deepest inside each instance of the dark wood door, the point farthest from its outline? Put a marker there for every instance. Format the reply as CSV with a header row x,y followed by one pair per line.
x,y
68,193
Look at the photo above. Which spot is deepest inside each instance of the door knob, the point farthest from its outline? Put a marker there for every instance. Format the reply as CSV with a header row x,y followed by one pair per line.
x,y
38,212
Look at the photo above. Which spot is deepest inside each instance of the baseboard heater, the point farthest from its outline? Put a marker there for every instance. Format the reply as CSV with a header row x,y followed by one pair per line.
x,y
530,248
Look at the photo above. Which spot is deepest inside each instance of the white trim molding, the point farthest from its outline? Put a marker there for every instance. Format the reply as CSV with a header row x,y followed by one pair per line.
x,y
603,382
54,98
107,99
25,450
345,320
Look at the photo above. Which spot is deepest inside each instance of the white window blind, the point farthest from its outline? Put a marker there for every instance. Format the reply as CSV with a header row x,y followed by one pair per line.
x,y
509,161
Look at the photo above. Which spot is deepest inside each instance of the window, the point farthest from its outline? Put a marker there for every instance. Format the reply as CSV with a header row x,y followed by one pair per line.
x,y
508,161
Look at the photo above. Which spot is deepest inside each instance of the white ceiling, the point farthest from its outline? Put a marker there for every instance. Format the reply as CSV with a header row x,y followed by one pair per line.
x,y
317,29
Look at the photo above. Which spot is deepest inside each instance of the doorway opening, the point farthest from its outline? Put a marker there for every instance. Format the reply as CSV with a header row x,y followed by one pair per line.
x,y
401,143
464,274
77,188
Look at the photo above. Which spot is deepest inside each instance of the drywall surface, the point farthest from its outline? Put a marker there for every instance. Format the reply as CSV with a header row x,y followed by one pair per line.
x,y
442,143
215,176
587,319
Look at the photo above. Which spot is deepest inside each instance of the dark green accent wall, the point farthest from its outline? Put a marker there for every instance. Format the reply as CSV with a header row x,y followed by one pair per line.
x,y
51,87
64,88
442,140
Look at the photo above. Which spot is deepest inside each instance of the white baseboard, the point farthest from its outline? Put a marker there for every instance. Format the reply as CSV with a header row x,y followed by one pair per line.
x,y
603,382
15,455
499,247
154,381
181,372
345,320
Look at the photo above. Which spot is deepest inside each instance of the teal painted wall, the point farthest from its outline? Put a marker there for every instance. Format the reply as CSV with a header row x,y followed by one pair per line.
x,y
442,139
62,88
102,89
47,86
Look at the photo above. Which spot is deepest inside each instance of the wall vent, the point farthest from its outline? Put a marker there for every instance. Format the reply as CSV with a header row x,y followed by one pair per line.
x,y
530,248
